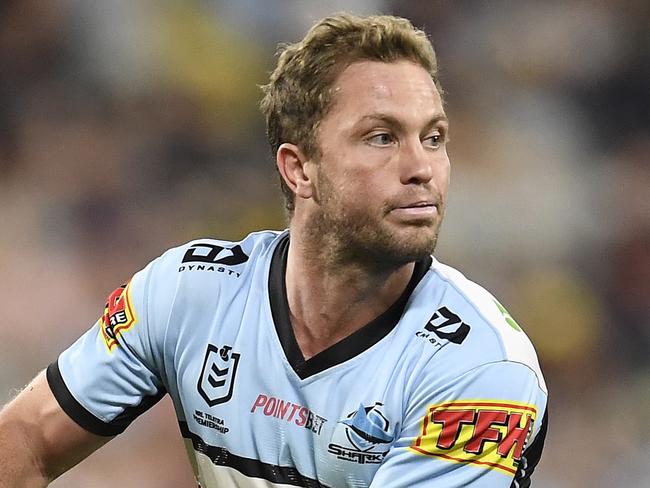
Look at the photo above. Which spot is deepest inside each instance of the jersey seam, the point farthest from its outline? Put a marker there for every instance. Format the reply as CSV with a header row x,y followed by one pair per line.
x,y
149,365
274,233
163,359
510,361
484,365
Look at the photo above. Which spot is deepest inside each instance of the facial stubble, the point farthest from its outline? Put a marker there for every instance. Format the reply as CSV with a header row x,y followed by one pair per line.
x,y
349,234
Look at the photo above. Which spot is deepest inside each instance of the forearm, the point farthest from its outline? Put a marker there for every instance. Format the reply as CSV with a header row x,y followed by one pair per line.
x,y
38,441
19,467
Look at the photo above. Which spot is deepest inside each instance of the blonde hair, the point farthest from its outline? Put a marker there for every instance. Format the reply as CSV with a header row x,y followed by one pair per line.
x,y
299,92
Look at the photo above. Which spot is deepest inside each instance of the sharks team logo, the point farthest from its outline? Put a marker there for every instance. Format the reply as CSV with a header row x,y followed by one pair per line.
x,y
217,379
364,436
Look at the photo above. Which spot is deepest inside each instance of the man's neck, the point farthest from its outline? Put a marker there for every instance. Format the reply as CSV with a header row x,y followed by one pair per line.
x,y
329,300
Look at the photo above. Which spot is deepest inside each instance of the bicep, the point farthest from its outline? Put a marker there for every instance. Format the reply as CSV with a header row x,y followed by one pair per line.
x,y
44,432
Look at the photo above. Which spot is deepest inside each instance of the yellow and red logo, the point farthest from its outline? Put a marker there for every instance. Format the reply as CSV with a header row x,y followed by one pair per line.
x,y
486,433
118,316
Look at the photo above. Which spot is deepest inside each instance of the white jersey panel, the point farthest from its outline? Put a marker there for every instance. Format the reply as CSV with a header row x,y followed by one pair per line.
x,y
516,345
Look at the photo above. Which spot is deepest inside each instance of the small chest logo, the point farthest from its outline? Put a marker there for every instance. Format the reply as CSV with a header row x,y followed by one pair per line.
x,y
447,325
217,379
363,437
118,317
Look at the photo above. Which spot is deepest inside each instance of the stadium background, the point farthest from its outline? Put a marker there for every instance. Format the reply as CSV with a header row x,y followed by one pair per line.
x,y
129,127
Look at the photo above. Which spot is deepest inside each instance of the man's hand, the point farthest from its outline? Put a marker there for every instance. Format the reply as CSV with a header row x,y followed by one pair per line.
x,y
38,441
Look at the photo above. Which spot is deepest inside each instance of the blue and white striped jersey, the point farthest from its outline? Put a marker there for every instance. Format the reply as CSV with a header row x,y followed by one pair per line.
x,y
442,390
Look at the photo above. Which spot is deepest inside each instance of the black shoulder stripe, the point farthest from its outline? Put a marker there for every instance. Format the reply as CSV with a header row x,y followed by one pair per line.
x,y
531,456
87,420
253,468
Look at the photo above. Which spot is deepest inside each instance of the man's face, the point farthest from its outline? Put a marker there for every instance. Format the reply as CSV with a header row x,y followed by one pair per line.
x,y
383,174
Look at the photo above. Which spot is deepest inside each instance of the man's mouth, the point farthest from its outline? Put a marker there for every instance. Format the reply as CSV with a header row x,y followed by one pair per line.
x,y
423,203
421,209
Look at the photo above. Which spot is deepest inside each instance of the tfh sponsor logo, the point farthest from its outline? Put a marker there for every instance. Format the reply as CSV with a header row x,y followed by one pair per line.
x,y
218,373
289,412
486,433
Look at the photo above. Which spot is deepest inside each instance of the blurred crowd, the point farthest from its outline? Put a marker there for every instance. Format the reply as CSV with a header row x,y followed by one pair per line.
x,y
127,127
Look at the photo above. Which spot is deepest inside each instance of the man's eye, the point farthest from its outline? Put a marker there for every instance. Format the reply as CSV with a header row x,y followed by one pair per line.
x,y
433,140
382,139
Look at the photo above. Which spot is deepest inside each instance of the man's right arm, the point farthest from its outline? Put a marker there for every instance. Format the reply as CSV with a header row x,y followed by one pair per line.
x,y
38,441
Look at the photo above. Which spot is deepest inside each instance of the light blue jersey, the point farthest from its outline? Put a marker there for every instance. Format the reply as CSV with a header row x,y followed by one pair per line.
x,y
443,390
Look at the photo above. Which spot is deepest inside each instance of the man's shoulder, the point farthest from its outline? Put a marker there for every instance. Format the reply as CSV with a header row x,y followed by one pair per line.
x,y
217,255
196,272
471,325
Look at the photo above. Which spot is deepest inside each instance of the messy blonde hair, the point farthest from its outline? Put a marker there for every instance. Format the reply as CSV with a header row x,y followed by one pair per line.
x,y
299,92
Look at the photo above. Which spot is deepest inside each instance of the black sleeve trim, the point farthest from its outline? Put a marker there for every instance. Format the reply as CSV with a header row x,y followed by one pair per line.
x,y
531,456
87,420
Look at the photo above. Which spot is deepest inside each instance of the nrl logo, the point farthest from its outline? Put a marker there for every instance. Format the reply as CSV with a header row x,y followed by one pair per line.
x,y
217,379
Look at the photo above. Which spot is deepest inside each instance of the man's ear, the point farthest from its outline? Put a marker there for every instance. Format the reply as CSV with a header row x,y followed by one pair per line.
x,y
295,170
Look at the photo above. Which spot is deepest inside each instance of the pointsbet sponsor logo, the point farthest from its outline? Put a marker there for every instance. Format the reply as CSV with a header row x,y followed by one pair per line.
x,y
289,412
486,433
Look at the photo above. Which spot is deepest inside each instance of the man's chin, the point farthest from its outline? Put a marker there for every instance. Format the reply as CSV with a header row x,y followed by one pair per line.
x,y
411,253
403,249
416,239
386,244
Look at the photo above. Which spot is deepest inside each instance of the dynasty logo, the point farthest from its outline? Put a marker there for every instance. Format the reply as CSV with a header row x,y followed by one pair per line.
x,y
362,437
211,257
446,325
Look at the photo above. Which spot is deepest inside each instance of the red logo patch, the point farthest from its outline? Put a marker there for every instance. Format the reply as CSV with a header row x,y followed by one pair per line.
x,y
118,316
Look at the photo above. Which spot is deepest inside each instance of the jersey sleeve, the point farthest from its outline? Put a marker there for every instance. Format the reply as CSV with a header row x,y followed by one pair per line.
x,y
112,373
483,429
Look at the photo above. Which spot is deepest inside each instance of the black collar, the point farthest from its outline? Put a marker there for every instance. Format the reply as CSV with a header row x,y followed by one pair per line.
x,y
347,348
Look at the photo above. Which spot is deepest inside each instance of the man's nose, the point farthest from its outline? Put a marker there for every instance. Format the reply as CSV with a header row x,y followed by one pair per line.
x,y
416,163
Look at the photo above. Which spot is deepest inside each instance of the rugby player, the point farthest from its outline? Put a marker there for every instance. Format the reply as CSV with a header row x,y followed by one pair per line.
x,y
336,353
